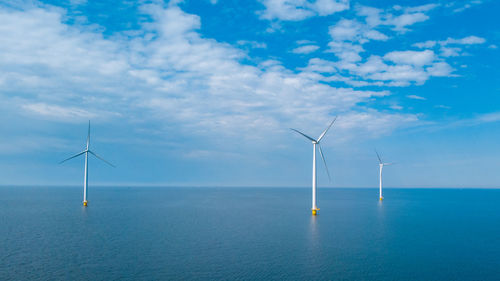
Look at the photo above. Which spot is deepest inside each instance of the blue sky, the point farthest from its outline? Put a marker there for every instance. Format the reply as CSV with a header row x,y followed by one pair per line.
x,y
204,92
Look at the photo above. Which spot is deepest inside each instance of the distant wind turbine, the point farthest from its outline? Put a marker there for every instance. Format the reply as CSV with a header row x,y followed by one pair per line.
x,y
86,152
381,166
315,142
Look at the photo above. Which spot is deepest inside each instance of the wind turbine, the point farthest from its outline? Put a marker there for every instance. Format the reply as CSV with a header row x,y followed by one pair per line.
x,y
381,166
315,142
86,152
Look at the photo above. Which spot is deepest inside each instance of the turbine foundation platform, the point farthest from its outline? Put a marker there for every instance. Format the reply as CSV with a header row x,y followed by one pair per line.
x,y
85,203
381,198
315,211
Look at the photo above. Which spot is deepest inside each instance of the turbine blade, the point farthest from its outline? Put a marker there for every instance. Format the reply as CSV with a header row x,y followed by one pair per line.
x,y
76,155
378,156
311,139
388,164
88,136
324,161
324,132
102,159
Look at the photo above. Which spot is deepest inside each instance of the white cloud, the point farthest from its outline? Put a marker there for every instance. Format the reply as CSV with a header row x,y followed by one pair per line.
x,y
328,7
469,40
346,51
465,6
373,16
476,120
450,51
29,143
440,69
489,117
426,44
442,106
400,75
285,10
373,121
398,68
354,31
320,66
305,42
422,8
58,112
349,36
252,44
399,18
415,97
296,10
401,22
411,57
78,2
307,49
167,73
447,51
372,65
375,35
345,30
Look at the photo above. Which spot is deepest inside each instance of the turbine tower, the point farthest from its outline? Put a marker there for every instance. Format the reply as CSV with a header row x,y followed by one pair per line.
x,y
381,166
315,142
86,152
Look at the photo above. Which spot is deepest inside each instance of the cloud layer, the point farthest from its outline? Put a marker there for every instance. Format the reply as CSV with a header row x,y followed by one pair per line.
x,y
295,10
193,92
168,73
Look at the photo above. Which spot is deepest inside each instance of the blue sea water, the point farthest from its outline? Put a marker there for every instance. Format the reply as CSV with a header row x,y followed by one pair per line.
x,y
154,233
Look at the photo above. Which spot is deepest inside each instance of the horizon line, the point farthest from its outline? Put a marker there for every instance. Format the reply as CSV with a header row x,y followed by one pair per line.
x,y
244,186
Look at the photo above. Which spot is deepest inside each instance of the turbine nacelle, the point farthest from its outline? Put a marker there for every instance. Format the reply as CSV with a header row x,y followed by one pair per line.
x,y
317,141
87,150
380,163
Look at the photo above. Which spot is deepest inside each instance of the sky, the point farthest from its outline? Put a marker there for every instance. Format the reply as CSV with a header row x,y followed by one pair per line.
x,y
203,93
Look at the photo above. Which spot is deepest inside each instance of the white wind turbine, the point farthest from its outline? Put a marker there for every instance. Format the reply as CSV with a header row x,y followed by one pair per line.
x,y
381,166
86,152
315,208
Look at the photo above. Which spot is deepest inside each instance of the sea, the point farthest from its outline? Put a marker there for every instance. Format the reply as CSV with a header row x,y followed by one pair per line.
x,y
235,233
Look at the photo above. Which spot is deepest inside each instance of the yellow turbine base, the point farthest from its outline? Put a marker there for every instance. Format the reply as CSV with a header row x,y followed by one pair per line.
x,y
381,198
315,211
85,203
